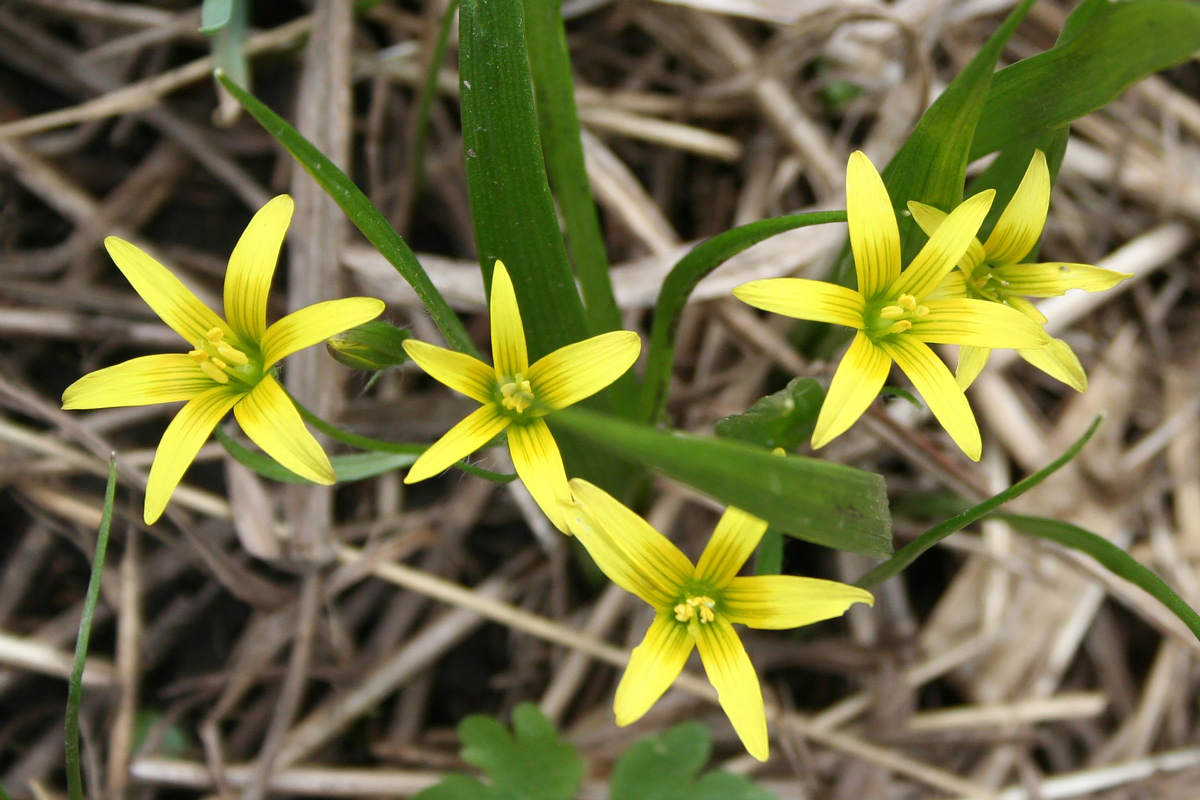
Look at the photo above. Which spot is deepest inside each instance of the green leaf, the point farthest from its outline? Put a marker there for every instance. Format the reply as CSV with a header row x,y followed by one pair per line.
x,y
511,206
348,468
820,501
429,93
682,280
769,558
911,551
362,212
458,787
784,419
372,346
664,767
1109,556
229,43
531,764
1114,46
214,15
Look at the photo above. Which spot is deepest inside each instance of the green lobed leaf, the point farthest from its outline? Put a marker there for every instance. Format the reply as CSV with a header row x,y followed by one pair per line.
x,y
458,787
783,419
820,501
531,763
664,767
1111,47
1109,556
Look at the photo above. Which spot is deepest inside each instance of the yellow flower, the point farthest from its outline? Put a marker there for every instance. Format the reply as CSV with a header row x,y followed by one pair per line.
x,y
995,271
696,606
893,312
515,395
230,364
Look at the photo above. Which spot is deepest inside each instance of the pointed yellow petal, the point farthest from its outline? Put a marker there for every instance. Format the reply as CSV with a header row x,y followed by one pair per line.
x,y
251,267
1020,226
1018,303
140,381
735,538
805,299
855,385
269,418
936,385
653,667
579,370
632,554
476,429
316,323
778,602
536,458
508,335
1059,361
459,371
953,285
1055,278
944,249
927,217
874,235
164,293
978,323
180,443
730,671
971,361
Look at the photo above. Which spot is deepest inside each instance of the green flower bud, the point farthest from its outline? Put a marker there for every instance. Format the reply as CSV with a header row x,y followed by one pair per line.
x,y
371,346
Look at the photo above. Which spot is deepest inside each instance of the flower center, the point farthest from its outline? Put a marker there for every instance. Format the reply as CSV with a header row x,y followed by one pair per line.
x,y
983,284
894,316
220,360
696,607
517,394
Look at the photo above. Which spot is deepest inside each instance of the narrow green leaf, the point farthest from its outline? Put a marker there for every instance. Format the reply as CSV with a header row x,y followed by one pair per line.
x,y
769,559
1109,556
362,212
682,280
784,419
511,206
348,468
229,43
1116,45
214,15
820,501
911,551
4,794
420,134
75,687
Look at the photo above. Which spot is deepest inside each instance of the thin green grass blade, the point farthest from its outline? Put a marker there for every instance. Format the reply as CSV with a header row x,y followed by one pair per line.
x,y
820,501
214,15
348,468
425,105
75,687
362,212
681,282
511,206
913,550
229,42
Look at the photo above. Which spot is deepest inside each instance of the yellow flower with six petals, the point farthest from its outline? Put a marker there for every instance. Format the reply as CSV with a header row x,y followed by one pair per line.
x,y
516,396
895,317
231,362
697,605
995,271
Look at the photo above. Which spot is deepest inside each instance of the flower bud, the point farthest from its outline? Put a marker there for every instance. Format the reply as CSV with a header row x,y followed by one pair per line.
x,y
371,346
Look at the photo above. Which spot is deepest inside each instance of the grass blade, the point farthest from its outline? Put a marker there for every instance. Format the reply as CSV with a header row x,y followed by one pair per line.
x,y
425,105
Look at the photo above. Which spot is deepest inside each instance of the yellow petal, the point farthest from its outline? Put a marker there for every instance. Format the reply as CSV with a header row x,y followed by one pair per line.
x,y
164,293
778,602
508,335
1018,303
936,385
579,370
140,381
536,458
251,267
180,443
653,667
730,671
874,235
735,538
1059,361
316,323
805,299
855,385
978,323
632,554
953,285
944,249
459,371
929,219
971,361
476,429
270,419
1055,278
1020,226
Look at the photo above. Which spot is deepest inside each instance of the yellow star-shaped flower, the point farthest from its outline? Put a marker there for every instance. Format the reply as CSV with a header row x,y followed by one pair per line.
x,y
894,313
231,362
995,271
697,605
516,396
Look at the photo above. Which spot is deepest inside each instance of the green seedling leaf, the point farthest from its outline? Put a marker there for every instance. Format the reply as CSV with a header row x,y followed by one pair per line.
x,y
214,15
820,501
911,551
784,419
1109,556
665,767
530,764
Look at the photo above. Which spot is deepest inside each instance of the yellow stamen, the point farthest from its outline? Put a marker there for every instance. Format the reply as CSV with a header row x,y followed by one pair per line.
x,y
214,335
922,311
907,301
209,369
517,394
199,356
684,612
891,312
232,355
900,326
219,364
694,607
